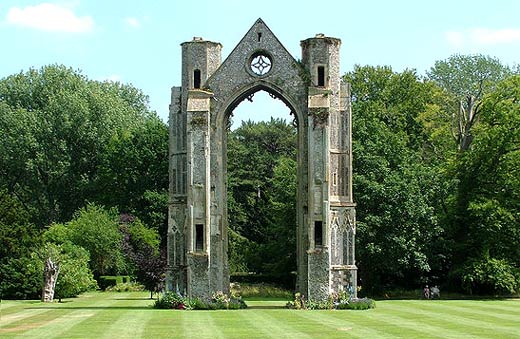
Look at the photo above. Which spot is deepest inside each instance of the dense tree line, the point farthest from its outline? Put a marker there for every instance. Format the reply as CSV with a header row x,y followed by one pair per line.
x,y
435,176
69,146
396,188
84,177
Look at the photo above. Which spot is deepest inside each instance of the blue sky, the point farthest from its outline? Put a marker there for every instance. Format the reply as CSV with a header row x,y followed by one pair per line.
x,y
138,42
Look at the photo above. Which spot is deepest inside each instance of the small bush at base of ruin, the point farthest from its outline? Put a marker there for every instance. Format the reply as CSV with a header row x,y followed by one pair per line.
x,y
341,301
219,301
357,304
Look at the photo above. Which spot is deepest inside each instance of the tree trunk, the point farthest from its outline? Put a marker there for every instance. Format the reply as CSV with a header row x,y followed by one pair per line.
x,y
50,276
467,119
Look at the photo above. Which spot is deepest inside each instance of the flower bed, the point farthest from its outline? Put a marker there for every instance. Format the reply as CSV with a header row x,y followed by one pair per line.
x,y
218,301
336,301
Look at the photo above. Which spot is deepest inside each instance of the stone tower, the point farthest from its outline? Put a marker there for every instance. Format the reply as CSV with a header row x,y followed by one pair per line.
x,y
199,114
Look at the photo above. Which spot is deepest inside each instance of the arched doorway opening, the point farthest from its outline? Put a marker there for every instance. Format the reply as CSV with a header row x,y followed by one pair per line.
x,y
261,167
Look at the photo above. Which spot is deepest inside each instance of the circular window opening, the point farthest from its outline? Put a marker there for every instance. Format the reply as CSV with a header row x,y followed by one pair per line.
x,y
260,63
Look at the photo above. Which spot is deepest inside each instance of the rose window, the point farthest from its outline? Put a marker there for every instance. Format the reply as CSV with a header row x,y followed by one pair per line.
x,y
260,64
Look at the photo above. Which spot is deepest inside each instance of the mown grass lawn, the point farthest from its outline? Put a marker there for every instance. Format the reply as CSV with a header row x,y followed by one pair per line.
x,y
129,315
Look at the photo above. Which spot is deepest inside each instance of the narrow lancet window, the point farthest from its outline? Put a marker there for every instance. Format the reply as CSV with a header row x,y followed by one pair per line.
x,y
321,76
196,78
199,237
318,233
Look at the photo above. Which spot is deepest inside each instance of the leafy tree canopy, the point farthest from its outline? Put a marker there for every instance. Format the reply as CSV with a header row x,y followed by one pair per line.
x,y
467,78
487,227
396,191
56,125
96,230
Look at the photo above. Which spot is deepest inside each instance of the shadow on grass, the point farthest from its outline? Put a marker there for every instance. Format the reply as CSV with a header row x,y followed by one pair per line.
x,y
417,294
91,308
266,307
144,298
444,298
149,308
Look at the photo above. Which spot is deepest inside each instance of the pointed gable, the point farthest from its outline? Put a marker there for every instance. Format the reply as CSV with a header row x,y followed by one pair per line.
x,y
258,61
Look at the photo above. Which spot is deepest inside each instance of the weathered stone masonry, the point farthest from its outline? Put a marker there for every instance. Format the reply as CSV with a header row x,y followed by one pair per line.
x,y
199,116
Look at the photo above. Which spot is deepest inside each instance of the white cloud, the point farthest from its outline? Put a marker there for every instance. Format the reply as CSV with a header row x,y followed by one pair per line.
x,y
497,36
49,17
483,36
133,22
455,38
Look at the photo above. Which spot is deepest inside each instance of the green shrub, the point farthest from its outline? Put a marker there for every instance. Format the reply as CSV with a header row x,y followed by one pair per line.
x,y
126,287
489,275
198,304
222,301
357,304
236,304
75,276
106,281
219,301
339,301
21,278
170,300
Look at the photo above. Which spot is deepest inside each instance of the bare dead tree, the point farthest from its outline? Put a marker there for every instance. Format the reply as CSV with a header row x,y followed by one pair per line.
x,y
50,277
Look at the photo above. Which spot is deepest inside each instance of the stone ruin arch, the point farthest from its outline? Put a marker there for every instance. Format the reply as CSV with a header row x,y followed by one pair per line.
x,y
199,116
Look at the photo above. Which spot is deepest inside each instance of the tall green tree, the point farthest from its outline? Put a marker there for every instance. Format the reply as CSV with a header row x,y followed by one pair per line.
x,y
133,173
467,78
488,207
55,125
474,218
396,185
253,150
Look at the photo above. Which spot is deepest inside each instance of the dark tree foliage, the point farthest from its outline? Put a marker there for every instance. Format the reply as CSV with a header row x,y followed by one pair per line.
x,y
262,198
19,276
150,269
17,235
140,245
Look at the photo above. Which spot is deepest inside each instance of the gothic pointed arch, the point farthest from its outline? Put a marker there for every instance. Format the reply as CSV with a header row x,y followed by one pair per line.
x,y
199,112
